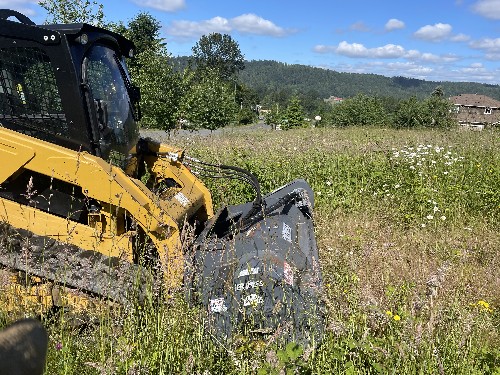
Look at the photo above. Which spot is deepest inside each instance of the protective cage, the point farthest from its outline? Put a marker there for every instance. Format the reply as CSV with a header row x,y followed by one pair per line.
x,y
29,97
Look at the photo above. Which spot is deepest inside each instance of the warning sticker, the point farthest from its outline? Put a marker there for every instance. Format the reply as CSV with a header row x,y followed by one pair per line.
x,y
217,305
249,271
287,232
182,199
248,285
252,300
288,273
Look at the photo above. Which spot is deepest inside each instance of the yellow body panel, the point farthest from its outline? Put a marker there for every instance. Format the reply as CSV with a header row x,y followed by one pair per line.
x,y
119,195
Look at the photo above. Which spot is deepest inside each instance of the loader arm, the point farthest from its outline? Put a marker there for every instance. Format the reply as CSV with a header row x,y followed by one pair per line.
x,y
111,198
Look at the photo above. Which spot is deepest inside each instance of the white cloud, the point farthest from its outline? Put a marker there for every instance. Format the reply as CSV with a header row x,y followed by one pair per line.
x,y
190,29
358,50
436,32
413,54
394,24
359,26
352,49
246,24
492,56
253,24
472,73
163,5
460,38
488,8
488,45
389,51
430,57
321,48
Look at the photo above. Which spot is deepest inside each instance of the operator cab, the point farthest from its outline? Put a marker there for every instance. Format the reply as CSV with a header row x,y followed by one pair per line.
x,y
69,85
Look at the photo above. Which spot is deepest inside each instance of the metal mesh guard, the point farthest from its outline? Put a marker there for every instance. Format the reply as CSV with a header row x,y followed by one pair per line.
x,y
29,97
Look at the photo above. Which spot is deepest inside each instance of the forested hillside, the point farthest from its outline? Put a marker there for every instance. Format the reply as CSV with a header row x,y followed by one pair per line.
x,y
270,77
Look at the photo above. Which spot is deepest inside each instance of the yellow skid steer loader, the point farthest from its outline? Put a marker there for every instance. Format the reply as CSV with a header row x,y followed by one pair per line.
x,y
83,199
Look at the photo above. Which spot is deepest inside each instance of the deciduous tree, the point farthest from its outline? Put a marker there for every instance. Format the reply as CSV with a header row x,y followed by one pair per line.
x,y
73,11
208,101
294,115
218,53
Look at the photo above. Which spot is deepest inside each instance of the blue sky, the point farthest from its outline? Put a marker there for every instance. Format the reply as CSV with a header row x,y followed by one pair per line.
x,y
438,40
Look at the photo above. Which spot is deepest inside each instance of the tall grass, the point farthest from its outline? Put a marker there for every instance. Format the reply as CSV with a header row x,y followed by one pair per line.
x,y
407,228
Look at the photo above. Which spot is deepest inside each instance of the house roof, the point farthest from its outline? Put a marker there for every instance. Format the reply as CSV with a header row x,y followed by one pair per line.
x,y
475,100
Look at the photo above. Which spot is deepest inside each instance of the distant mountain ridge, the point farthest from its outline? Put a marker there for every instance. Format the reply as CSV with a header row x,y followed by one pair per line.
x,y
268,76
263,75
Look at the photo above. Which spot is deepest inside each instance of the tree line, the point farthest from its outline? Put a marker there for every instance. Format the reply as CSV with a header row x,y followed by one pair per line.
x,y
205,94
434,111
215,86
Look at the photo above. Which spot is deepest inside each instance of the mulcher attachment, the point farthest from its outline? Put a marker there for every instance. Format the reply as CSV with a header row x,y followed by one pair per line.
x,y
259,275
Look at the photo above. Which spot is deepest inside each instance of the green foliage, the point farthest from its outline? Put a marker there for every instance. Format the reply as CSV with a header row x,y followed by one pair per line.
x,y
208,101
161,89
73,11
218,53
409,114
438,91
287,361
152,71
294,114
274,116
434,111
246,116
438,112
361,110
144,31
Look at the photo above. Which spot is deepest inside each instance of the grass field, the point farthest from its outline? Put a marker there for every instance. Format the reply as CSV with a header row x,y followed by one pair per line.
x,y
407,224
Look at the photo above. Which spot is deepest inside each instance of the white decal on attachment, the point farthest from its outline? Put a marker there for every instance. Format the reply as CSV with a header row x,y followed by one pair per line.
x,y
182,199
174,156
249,271
249,285
217,305
288,273
287,232
252,300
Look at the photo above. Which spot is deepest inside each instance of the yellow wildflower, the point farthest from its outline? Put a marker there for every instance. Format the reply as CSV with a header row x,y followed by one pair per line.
x,y
484,304
388,313
397,318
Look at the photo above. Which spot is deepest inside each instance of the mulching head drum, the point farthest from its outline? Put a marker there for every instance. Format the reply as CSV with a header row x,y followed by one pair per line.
x,y
261,278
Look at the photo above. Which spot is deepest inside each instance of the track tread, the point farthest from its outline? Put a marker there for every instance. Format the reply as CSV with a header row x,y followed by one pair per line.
x,y
70,266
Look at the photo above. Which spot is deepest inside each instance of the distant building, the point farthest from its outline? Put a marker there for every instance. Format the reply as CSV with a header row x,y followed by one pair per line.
x,y
334,100
261,112
476,111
